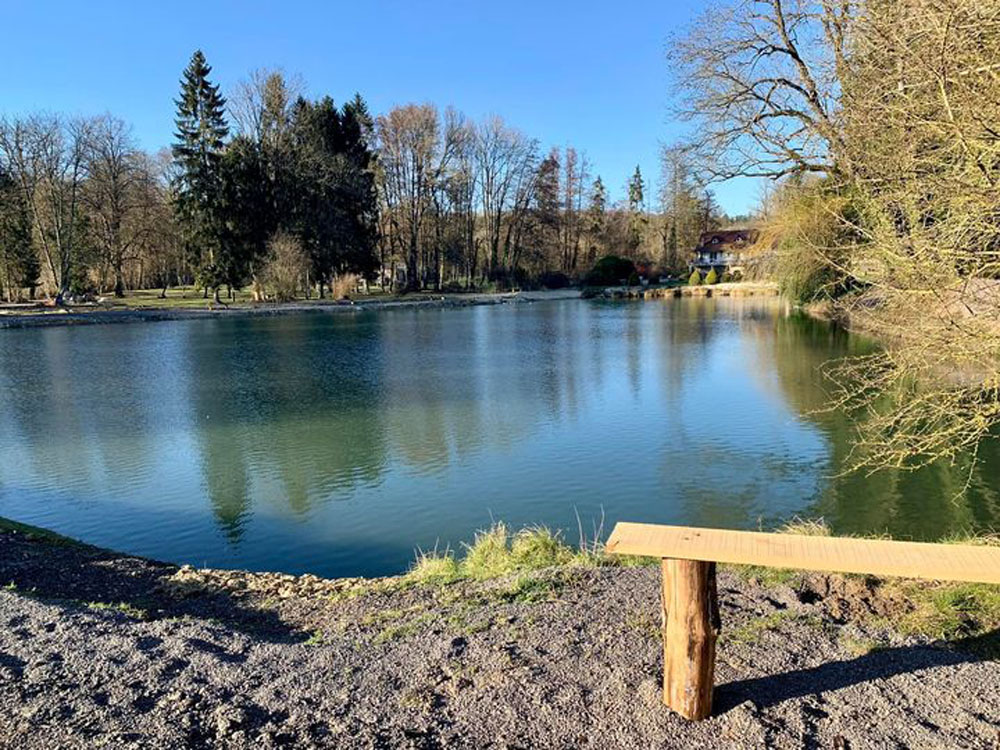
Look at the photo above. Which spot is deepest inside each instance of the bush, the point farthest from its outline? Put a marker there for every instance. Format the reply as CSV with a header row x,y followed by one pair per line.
x,y
633,279
712,277
286,268
609,271
695,278
553,280
452,287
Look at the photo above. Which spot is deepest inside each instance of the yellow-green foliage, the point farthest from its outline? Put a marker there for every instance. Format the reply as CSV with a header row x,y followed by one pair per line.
x,y
805,527
496,552
937,610
695,278
712,277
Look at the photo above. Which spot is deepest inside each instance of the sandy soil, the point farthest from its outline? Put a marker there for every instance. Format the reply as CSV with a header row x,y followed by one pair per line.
x,y
565,658
21,316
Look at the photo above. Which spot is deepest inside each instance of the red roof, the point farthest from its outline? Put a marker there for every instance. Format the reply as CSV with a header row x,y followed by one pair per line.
x,y
720,239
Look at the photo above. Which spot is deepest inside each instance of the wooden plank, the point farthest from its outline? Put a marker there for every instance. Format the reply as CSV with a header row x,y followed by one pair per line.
x,y
939,562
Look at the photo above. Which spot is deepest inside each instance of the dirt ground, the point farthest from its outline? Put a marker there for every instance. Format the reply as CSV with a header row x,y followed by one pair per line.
x,y
104,650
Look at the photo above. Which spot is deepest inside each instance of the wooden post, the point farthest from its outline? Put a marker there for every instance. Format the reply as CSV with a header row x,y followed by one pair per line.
x,y
690,628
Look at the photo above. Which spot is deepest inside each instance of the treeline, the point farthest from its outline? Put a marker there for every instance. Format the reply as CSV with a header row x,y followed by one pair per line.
x,y
879,123
292,197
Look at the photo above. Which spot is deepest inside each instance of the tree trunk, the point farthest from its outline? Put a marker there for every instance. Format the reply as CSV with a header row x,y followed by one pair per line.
x,y
690,628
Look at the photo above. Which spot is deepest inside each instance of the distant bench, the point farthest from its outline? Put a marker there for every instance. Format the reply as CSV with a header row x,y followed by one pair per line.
x,y
690,602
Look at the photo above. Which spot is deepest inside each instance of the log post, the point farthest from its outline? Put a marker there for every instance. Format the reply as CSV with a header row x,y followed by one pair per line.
x,y
690,627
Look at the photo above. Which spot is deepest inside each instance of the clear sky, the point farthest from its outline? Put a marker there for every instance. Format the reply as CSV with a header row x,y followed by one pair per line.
x,y
587,74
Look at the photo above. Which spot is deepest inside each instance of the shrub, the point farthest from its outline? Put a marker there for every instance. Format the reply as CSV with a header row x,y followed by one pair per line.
x,y
553,280
451,287
286,267
633,279
695,278
712,277
609,270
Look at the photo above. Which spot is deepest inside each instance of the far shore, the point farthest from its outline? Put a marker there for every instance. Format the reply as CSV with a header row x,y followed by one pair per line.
x,y
38,316
150,308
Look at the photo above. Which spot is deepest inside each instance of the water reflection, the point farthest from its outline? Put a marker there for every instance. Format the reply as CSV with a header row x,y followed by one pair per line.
x,y
339,443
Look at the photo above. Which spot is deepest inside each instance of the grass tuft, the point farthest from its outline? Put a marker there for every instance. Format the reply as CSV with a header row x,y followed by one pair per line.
x,y
805,527
496,552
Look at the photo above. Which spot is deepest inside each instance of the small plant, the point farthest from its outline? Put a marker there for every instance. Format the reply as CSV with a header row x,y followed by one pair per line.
x,y
123,607
316,639
695,278
712,277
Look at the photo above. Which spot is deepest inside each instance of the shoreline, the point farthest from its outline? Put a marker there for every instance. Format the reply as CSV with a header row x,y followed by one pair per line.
x,y
109,649
48,317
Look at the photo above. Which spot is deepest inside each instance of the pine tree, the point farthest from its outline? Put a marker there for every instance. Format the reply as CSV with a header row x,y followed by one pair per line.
x,y
197,151
636,210
596,217
20,266
546,210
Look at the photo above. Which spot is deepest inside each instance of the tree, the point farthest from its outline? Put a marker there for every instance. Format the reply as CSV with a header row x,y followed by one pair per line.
x,y
119,194
759,79
546,213
506,162
414,156
637,219
19,267
596,218
681,207
46,158
198,147
332,198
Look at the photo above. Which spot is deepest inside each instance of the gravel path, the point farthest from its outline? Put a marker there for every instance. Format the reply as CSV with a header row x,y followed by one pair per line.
x,y
566,658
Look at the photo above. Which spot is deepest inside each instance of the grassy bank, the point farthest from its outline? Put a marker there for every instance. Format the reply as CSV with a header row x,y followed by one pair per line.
x,y
532,564
939,610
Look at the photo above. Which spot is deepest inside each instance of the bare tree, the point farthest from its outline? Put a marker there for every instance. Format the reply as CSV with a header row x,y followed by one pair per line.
x,y
761,80
260,105
119,195
47,158
416,149
505,160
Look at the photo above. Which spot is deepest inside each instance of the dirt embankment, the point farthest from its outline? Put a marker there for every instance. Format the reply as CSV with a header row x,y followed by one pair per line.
x,y
105,650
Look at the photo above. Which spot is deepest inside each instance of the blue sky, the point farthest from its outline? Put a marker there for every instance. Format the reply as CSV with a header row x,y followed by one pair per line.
x,y
587,74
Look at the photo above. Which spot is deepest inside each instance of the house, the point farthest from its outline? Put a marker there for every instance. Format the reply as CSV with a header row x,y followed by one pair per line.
x,y
725,251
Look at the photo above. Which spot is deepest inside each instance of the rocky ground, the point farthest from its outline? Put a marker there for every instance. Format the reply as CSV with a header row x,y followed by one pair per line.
x,y
104,650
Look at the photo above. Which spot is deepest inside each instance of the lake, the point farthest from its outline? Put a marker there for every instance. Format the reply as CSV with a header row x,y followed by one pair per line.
x,y
338,444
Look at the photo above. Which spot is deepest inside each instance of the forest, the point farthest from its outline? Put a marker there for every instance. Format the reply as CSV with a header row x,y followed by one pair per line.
x,y
266,189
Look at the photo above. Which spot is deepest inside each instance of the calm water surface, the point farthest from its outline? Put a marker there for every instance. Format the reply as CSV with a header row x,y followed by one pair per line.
x,y
338,444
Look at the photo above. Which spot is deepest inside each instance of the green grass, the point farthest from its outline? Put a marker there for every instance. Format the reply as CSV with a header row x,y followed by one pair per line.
x,y
964,613
34,533
497,552
753,631
123,607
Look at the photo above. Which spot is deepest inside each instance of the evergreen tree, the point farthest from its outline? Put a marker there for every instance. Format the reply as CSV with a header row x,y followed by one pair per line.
x,y
20,267
334,201
596,217
197,151
246,208
547,210
636,211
